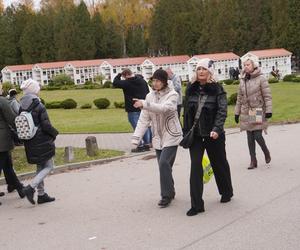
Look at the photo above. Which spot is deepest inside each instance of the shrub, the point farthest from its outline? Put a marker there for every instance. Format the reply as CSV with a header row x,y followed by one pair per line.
x,y
68,104
236,82
296,79
273,80
228,81
6,86
102,103
86,106
232,99
119,105
53,105
107,84
289,78
51,88
61,79
42,101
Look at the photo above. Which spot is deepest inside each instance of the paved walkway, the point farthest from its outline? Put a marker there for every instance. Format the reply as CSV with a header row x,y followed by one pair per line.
x,y
118,141
113,206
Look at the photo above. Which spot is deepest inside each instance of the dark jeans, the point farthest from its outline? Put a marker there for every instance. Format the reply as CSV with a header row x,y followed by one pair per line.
x,y
179,110
166,158
9,173
217,155
133,118
253,136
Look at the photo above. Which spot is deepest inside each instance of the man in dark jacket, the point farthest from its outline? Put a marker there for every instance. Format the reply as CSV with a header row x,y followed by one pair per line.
x,y
134,86
40,149
7,118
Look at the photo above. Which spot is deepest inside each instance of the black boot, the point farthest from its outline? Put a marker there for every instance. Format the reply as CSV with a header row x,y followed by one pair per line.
x,y
29,193
225,198
253,163
44,198
10,188
194,211
164,202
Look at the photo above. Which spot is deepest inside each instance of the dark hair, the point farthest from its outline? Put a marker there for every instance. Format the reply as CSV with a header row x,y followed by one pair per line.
x,y
126,72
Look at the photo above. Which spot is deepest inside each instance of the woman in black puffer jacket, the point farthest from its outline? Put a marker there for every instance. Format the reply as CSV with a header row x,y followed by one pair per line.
x,y
40,149
209,134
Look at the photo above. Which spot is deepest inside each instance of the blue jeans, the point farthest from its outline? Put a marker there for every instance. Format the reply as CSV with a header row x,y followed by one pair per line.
x,y
133,118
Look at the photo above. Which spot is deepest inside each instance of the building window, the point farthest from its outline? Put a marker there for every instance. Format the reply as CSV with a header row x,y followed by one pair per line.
x,y
114,70
259,64
77,71
219,71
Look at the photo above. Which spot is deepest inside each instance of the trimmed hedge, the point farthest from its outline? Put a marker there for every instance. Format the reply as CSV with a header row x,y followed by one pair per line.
x,y
273,80
232,99
289,78
107,84
228,81
53,105
119,105
86,106
69,104
102,103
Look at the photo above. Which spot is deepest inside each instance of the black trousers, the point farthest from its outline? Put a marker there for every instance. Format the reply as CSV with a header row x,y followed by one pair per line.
x,y
217,155
253,136
9,173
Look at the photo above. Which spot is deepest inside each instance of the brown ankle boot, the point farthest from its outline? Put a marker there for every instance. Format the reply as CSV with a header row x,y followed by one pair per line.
x,y
253,163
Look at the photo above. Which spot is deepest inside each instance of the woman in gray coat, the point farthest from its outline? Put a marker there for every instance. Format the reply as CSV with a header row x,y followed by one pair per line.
x,y
253,108
7,117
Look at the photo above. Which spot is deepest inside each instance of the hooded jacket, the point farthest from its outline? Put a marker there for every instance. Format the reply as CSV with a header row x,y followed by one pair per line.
x,y
41,147
255,93
160,111
134,87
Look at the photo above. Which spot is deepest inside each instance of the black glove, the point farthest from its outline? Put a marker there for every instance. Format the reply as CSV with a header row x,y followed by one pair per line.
x,y
236,118
268,115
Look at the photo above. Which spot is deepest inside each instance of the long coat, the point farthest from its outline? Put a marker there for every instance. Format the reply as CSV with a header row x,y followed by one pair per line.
x,y
7,118
253,93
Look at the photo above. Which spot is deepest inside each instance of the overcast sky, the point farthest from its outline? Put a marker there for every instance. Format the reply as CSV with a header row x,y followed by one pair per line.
x,y
8,2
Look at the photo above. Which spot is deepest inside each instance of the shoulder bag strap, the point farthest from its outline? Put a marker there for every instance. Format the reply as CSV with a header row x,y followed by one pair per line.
x,y
201,102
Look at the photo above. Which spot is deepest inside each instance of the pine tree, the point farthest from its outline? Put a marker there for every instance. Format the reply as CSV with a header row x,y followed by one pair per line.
x,y
114,44
99,35
136,43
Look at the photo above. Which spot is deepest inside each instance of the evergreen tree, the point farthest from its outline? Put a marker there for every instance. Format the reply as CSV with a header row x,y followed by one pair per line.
x,y
99,36
114,43
136,43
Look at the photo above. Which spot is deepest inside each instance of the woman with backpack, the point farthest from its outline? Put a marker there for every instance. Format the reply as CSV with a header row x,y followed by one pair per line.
x,y
40,149
7,118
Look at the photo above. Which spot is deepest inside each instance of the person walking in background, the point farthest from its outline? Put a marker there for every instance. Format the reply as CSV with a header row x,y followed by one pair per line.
x,y
208,134
177,87
134,86
12,98
7,120
160,110
254,100
40,150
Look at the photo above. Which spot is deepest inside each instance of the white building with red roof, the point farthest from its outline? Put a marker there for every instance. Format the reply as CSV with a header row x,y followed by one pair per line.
x,y
178,64
16,74
111,67
222,64
272,59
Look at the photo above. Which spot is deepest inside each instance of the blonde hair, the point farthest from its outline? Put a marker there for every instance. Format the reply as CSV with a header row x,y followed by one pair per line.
x,y
1,90
210,78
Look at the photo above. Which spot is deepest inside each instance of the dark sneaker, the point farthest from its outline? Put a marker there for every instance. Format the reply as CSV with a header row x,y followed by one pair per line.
x,y
2,194
164,202
137,150
194,211
44,198
29,193
10,188
146,147
21,193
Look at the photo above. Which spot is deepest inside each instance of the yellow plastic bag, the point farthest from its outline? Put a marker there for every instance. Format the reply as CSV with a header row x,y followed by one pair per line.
x,y
207,169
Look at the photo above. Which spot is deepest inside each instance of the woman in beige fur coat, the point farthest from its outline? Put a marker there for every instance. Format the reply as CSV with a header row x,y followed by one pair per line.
x,y
253,108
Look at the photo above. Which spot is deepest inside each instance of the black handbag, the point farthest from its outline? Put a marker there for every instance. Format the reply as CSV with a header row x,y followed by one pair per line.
x,y
188,139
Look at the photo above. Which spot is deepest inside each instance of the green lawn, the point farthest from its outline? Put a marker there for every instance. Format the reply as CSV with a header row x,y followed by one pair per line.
x,y
286,108
21,165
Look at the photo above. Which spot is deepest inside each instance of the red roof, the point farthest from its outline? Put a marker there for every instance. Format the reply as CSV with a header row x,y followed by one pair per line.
x,y
20,67
86,63
50,65
168,59
270,52
219,56
126,61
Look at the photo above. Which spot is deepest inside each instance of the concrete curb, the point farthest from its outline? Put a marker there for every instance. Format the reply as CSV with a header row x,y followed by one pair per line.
x,y
77,165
